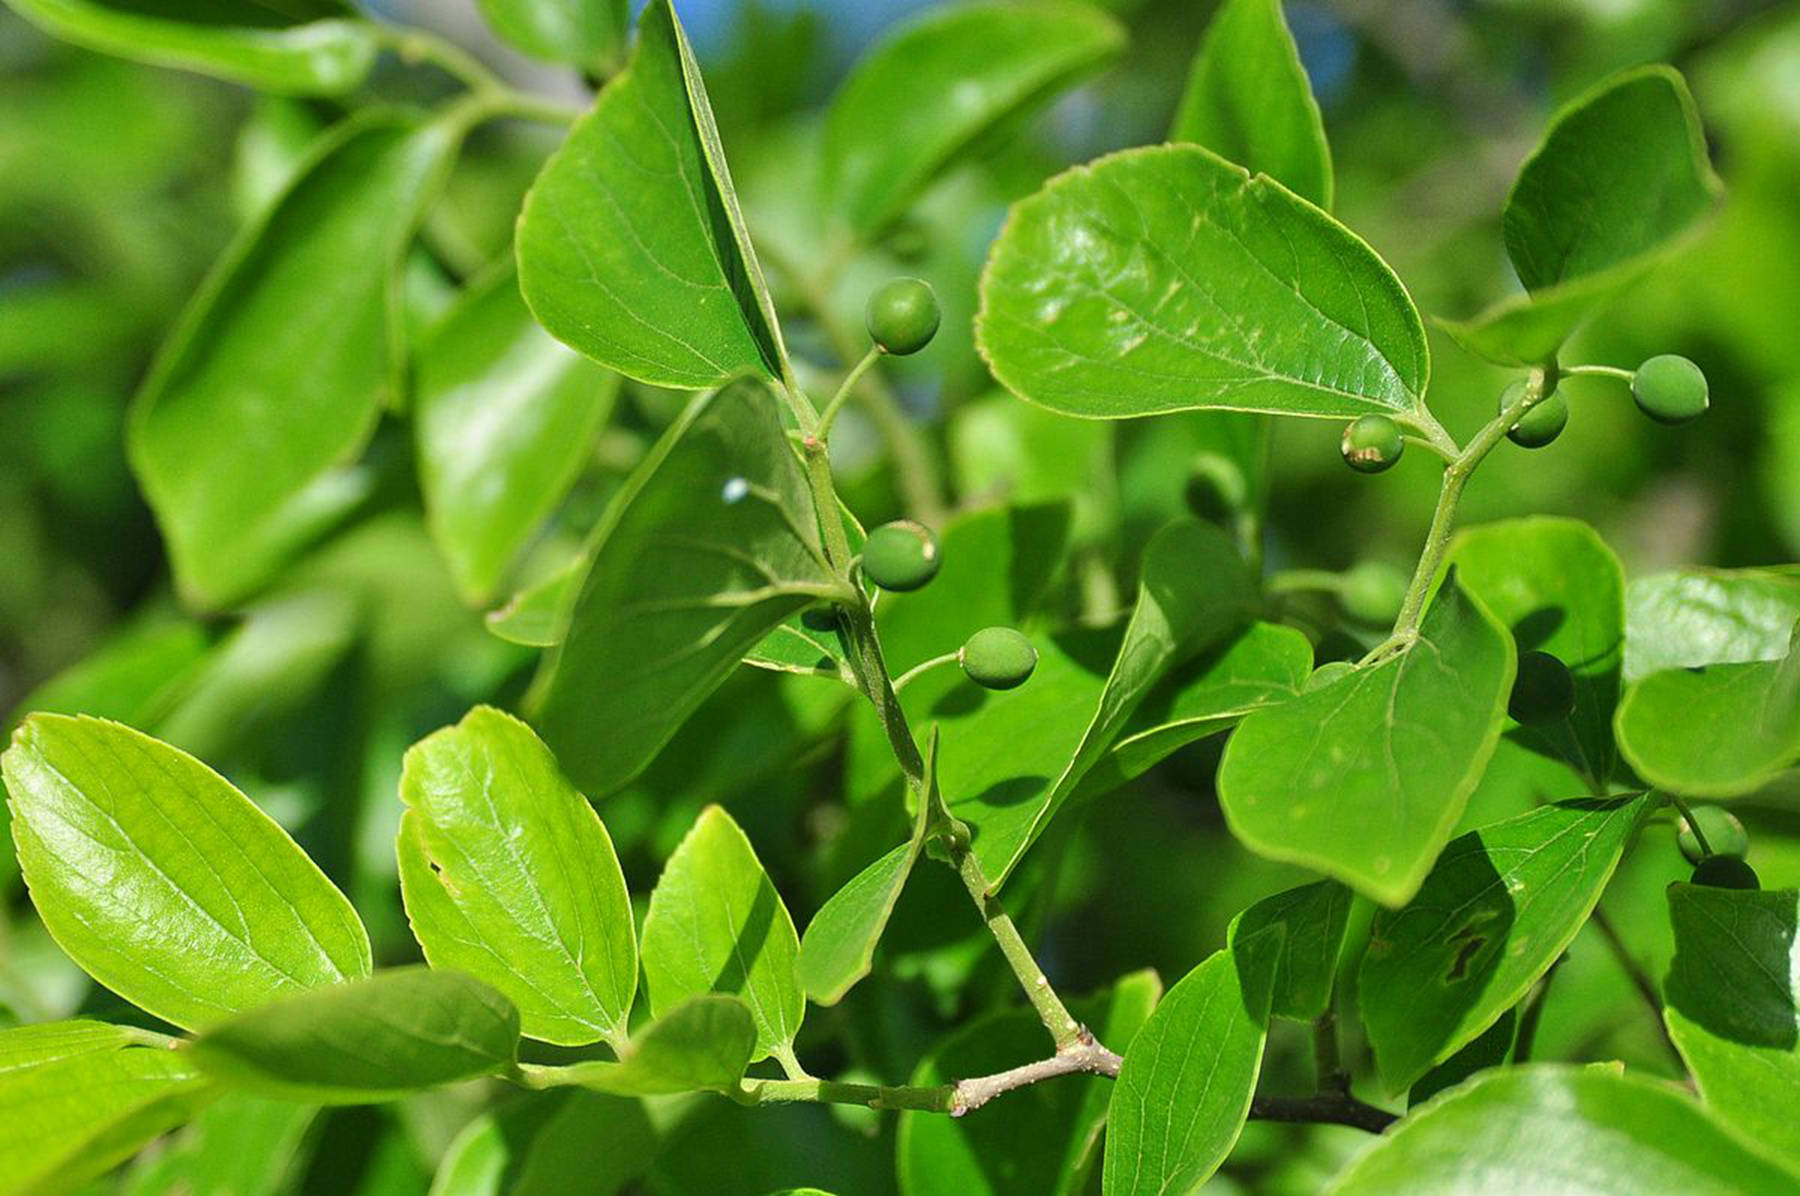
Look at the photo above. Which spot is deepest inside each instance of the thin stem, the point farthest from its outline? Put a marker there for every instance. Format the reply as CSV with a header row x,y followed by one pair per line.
x,y
1599,371
844,389
1443,519
937,1099
1067,1033
1640,980
1693,824
1332,1110
500,98
1085,1057
925,666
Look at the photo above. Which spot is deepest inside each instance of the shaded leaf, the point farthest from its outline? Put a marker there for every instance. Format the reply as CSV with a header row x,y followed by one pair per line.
x,y
272,381
1248,100
717,925
556,1143
1364,778
1501,905
239,1145
917,100
1167,279
509,875
369,1040
1312,918
165,883
631,246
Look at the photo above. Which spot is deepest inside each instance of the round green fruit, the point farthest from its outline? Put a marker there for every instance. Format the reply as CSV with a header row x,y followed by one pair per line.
x,y
1539,426
901,556
1670,389
903,316
1543,691
1726,872
998,658
1373,443
1373,592
1215,488
1724,834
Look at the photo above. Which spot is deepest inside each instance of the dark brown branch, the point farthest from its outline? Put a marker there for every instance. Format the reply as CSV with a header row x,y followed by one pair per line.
x,y
1325,1109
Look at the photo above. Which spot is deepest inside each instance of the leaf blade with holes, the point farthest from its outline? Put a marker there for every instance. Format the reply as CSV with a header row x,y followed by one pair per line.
x,y
1188,1076
920,97
1620,180
631,247
326,52
1604,1132
717,925
1498,909
1249,101
242,432
1341,780
504,419
163,881
1732,1006
370,1040
710,545
509,876
1233,294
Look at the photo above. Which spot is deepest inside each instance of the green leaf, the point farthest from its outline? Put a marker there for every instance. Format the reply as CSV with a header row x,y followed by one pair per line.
x,y
1248,100
369,1040
509,875
1312,918
165,883
1043,1139
1719,730
273,380
1620,180
1699,617
1364,778
927,92
72,1120
1560,589
702,1044
261,47
239,1145
631,246
553,1143
1502,904
1264,666
711,543
504,420
1489,1049
1168,279
1011,760
717,925
49,1042
535,616
839,944
1549,1128
1732,1005
588,33
1184,1090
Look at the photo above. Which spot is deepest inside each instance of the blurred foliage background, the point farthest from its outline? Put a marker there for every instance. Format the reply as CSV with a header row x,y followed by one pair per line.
x,y
119,184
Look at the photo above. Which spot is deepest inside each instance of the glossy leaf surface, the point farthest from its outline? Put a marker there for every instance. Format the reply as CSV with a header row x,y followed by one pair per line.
x,y
702,1044
712,542
1498,909
717,925
1168,279
272,381
510,877
163,881
369,1040
1708,616
1312,920
921,97
1364,778
1249,101
631,246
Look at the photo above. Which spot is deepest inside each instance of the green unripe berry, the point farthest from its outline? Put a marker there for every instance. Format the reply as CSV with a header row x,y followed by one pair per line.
x,y
1215,489
1669,389
998,658
1539,426
901,556
1373,592
1325,674
1373,443
1726,872
1543,691
903,316
1724,834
